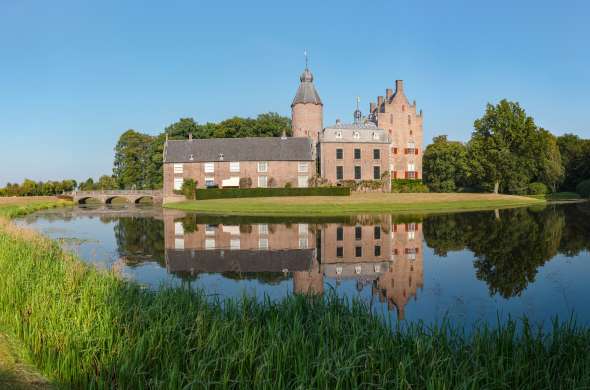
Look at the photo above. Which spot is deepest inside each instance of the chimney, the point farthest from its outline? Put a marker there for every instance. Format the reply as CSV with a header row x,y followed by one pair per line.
x,y
399,86
190,136
371,107
379,102
388,93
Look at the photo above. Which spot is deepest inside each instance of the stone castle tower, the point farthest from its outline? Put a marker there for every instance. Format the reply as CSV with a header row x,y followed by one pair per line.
x,y
404,124
307,109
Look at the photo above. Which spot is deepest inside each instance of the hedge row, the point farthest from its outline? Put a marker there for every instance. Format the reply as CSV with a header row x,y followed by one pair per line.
x,y
408,185
220,193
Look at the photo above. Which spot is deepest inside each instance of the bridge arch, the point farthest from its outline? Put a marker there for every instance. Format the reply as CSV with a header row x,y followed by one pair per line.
x,y
89,200
120,199
144,199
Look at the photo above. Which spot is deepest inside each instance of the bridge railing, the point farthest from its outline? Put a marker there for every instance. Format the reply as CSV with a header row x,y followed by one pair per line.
x,y
117,192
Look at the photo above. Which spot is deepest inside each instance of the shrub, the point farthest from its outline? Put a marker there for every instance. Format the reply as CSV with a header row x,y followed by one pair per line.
x,y
408,185
188,189
272,183
218,193
583,188
317,181
538,188
288,184
245,182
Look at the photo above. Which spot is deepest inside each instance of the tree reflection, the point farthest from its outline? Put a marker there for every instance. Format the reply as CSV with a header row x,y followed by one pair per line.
x,y
140,239
508,245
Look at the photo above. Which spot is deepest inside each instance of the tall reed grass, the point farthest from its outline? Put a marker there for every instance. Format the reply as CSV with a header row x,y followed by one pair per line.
x,y
89,329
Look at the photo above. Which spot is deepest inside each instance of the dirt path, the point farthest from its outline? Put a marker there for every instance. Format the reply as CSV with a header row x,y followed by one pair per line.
x,y
14,372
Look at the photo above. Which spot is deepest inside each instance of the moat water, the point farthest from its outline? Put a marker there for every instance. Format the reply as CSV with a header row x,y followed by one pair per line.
x,y
468,268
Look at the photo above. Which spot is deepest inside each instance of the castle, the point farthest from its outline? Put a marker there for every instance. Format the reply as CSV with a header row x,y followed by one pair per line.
x,y
385,144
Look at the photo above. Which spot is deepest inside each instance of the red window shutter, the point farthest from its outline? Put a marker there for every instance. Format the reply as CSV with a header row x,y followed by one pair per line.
x,y
395,174
406,227
406,174
395,252
394,150
417,250
405,150
394,228
416,152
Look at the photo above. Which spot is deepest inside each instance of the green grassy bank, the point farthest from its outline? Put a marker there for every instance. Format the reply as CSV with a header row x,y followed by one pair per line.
x,y
23,207
357,203
90,329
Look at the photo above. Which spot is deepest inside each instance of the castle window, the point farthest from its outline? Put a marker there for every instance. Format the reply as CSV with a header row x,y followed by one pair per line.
x,y
339,172
357,172
376,154
358,232
303,167
356,135
377,232
263,243
358,251
234,166
377,250
376,172
411,166
209,167
339,233
262,166
178,168
339,251
262,181
357,154
339,154
302,181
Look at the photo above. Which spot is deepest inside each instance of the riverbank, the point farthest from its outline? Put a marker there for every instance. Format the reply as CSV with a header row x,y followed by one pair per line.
x,y
88,328
357,203
11,207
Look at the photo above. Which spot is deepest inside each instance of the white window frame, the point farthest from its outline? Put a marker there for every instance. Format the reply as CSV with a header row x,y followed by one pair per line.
x,y
178,183
411,166
210,243
234,244
262,166
262,178
303,242
178,229
234,166
303,167
179,168
179,243
209,167
263,229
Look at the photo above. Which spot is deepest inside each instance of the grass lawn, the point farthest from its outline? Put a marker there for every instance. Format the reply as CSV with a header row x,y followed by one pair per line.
x,y
357,203
558,196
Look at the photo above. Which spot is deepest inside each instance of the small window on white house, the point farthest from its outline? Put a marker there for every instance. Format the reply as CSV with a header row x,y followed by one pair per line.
x,y
234,166
209,167
303,167
262,181
262,166
178,168
178,183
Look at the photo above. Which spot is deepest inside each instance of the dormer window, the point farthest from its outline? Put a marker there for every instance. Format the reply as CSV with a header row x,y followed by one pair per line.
x,y
220,156
191,157
338,134
375,136
356,135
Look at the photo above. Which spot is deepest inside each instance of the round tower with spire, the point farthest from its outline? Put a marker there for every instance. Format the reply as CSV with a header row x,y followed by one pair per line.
x,y
307,108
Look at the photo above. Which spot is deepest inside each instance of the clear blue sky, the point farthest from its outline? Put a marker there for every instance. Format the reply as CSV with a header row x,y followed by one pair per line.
x,y
75,74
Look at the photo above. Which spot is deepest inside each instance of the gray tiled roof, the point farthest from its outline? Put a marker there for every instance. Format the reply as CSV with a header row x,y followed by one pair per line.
x,y
239,149
306,93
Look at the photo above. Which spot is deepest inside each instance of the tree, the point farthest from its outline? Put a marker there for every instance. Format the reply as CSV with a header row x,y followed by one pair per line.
x,y
131,158
551,170
575,157
445,165
503,150
106,182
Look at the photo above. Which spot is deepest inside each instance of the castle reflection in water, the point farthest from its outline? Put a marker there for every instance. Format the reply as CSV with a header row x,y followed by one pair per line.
x,y
373,251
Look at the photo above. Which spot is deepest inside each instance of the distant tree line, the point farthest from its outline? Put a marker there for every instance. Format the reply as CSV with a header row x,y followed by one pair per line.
x,y
50,188
138,156
507,153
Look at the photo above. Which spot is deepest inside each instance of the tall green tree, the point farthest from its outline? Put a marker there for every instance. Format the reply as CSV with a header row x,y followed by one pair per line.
x,y
132,155
575,157
503,148
445,165
550,170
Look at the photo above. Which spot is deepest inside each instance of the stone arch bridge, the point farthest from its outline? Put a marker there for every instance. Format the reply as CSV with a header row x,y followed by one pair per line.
x,y
107,196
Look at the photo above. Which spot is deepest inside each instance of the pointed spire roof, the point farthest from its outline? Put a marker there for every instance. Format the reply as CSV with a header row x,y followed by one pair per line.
x,y
306,93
